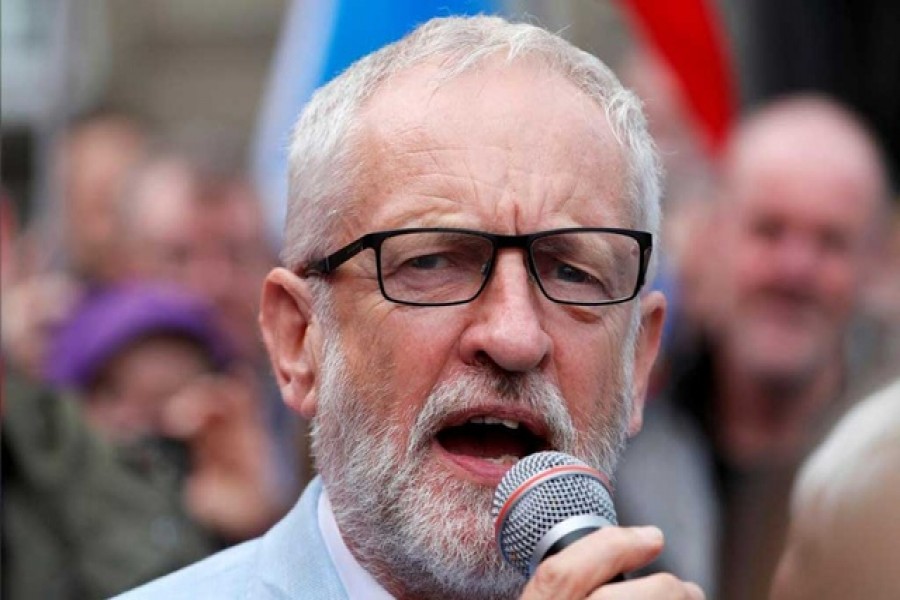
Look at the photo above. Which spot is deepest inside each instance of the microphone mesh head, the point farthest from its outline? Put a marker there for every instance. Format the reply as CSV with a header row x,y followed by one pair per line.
x,y
544,504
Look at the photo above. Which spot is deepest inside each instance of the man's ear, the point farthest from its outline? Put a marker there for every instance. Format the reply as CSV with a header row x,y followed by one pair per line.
x,y
653,313
292,336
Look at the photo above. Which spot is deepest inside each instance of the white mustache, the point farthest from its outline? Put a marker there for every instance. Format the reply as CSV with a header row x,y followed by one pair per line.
x,y
529,392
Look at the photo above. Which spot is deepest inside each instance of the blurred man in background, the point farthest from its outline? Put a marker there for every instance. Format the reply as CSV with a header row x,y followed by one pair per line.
x,y
790,242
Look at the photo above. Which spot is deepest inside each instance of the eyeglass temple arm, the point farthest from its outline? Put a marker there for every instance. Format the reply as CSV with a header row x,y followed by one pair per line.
x,y
332,262
645,266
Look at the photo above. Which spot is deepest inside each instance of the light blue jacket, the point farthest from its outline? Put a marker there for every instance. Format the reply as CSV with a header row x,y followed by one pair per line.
x,y
289,561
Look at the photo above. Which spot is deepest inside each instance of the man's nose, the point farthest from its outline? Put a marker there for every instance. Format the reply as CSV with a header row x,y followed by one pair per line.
x,y
798,257
508,326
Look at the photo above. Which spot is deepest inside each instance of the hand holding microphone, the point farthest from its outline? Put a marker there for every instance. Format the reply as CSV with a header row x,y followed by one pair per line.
x,y
556,523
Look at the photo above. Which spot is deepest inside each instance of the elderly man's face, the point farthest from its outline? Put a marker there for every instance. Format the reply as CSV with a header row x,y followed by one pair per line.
x,y
501,152
512,150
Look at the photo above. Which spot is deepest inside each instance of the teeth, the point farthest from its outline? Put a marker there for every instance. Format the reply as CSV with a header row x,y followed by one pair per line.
x,y
506,459
495,421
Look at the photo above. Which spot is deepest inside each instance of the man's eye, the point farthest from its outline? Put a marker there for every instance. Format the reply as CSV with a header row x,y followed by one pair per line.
x,y
570,274
427,262
767,229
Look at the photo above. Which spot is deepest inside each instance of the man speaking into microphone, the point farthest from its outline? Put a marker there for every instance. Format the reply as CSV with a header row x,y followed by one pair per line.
x,y
471,219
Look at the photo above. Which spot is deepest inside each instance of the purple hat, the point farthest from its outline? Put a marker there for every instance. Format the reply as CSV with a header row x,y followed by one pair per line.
x,y
108,320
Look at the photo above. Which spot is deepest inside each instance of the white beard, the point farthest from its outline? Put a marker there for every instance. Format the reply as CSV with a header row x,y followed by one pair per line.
x,y
414,522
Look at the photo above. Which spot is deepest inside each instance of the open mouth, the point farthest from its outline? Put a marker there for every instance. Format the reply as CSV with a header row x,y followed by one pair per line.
x,y
489,444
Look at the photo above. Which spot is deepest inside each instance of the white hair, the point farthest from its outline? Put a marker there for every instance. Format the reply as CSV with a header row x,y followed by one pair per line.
x,y
325,160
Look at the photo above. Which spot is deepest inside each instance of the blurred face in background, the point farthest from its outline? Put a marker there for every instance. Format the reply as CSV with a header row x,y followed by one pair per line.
x,y
94,163
802,194
130,394
205,235
159,224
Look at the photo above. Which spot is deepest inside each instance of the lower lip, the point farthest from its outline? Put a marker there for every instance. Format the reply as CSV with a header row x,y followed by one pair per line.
x,y
473,468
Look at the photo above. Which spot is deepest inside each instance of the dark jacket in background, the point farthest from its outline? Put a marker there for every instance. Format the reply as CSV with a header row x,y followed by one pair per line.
x,y
79,519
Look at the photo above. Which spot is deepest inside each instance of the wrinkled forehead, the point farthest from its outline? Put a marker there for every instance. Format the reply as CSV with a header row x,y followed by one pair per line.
x,y
519,100
531,120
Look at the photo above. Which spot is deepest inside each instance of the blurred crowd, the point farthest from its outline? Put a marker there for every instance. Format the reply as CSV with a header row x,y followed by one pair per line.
x,y
143,430
782,269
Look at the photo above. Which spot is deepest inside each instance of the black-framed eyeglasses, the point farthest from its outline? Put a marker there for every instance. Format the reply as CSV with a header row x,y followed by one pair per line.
x,y
436,266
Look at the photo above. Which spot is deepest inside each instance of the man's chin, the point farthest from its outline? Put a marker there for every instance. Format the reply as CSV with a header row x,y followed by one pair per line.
x,y
785,368
446,517
454,483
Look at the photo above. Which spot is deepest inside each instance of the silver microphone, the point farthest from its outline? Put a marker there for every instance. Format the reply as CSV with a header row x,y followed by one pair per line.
x,y
546,502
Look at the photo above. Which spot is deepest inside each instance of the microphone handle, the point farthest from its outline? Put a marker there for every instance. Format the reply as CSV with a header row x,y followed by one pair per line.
x,y
569,539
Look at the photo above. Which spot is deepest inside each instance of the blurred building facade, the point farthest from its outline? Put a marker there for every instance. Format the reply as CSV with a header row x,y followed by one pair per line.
x,y
188,68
